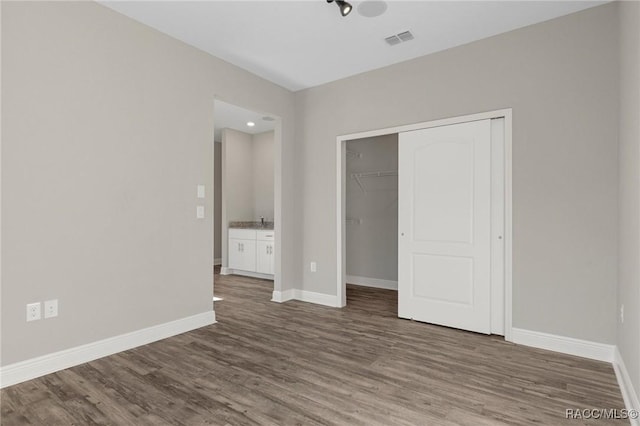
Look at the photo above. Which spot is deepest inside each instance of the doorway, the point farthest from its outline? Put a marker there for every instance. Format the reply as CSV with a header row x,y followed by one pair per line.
x,y
371,211
371,223
498,263
247,216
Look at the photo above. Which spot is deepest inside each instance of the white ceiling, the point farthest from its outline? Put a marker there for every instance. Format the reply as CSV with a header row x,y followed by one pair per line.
x,y
228,116
300,44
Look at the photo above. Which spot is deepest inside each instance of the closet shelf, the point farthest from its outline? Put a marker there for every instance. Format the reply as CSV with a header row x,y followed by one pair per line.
x,y
358,176
354,154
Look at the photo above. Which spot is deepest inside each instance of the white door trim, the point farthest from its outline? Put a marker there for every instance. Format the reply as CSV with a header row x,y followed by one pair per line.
x,y
508,234
497,227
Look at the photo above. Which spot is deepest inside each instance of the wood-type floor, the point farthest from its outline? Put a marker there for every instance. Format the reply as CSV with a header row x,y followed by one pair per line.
x,y
299,363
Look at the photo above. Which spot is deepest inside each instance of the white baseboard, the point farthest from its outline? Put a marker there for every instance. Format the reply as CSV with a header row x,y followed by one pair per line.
x,y
305,296
566,345
317,298
248,274
30,369
585,349
629,394
217,262
228,271
372,282
282,296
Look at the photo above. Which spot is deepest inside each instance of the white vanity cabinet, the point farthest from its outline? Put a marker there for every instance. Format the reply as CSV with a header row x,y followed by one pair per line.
x,y
265,252
251,252
242,249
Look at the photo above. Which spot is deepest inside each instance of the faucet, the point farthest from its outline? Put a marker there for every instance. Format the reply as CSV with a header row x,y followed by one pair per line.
x,y
262,221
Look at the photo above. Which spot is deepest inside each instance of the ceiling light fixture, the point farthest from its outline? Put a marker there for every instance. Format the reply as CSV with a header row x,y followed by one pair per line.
x,y
345,7
372,8
250,123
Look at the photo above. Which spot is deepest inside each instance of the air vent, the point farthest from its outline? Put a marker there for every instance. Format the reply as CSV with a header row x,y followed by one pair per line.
x,y
393,40
399,38
267,118
405,36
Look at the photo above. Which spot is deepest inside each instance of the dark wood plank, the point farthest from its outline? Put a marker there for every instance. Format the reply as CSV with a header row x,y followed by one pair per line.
x,y
296,363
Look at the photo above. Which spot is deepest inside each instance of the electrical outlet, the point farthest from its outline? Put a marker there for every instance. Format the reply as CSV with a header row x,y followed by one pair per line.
x,y
33,311
313,267
621,314
51,308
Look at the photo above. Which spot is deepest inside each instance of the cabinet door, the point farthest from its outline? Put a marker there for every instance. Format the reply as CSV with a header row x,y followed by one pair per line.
x,y
264,257
242,254
235,253
272,257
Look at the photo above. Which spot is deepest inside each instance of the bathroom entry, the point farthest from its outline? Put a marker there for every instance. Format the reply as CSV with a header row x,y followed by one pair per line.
x,y
245,236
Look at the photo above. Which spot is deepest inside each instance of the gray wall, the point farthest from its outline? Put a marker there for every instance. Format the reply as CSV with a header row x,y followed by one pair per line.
x,y
238,175
560,77
107,130
262,164
629,156
248,177
372,244
217,201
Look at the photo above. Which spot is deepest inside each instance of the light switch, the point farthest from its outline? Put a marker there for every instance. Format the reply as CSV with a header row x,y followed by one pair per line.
x,y
200,212
200,191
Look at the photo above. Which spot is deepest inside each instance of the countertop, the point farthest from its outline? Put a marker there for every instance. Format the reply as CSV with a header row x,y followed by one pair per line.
x,y
268,226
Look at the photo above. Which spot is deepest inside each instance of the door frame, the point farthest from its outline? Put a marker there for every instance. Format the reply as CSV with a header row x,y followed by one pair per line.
x,y
341,289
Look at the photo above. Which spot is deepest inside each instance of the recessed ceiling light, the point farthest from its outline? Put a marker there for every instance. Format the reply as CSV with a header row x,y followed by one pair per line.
x,y
250,123
372,8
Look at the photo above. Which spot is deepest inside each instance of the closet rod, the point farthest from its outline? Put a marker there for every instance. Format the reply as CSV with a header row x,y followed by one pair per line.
x,y
358,176
375,174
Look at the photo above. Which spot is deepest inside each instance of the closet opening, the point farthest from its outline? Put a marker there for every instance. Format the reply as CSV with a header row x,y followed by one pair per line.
x,y
452,235
371,224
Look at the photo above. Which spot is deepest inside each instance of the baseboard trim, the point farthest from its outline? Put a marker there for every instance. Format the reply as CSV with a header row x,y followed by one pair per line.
x,y
282,296
372,282
629,394
36,367
249,274
317,298
305,296
566,345
225,271
217,262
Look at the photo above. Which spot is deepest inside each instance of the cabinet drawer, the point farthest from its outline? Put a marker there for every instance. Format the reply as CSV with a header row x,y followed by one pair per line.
x,y
265,235
242,234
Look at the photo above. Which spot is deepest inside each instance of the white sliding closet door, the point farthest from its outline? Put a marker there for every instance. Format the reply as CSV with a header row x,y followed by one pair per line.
x,y
444,224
